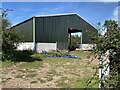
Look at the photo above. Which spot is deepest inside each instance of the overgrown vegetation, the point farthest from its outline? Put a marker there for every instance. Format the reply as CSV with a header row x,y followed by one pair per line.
x,y
60,72
110,42
10,40
75,42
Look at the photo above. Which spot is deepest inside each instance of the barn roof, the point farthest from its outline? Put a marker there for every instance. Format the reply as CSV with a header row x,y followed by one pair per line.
x,y
53,15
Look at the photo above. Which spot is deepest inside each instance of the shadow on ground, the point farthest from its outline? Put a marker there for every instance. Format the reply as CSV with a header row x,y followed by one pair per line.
x,y
25,56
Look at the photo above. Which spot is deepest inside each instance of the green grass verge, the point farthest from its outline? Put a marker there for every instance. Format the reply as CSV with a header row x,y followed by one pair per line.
x,y
7,63
31,65
81,54
82,83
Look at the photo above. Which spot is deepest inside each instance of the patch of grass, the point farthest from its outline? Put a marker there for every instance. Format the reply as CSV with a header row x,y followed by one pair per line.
x,y
71,66
49,78
19,76
26,71
57,60
13,72
7,63
23,71
30,71
81,54
5,71
41,80
82,83
33,65
33,82
38,55
31,75
61,83
4,80
52,73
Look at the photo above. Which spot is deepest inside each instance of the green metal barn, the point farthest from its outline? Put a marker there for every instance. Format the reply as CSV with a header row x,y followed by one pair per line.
x,y
50,32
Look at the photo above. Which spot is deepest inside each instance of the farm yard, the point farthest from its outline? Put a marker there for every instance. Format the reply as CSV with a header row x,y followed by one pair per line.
x,y
47,72
68,41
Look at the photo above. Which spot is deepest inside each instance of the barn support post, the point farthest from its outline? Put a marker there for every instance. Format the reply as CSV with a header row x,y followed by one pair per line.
x,y
34,40
70,40
81,41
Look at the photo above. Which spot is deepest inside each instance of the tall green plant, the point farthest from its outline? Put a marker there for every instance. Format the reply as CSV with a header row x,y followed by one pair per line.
x,y
10,39
110,41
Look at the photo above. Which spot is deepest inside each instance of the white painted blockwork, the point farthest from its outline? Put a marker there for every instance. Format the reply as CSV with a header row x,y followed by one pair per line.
x,y
86,46
46,46
39,46
26,46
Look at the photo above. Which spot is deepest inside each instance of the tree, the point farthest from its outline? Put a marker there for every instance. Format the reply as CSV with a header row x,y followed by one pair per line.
x,y
110,41
10,40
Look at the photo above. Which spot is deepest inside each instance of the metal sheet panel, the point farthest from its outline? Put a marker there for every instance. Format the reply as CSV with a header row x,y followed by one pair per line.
x,y
25,30
55,28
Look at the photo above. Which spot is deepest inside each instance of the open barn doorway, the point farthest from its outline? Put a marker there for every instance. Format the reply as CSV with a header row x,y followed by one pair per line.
x,y
74,34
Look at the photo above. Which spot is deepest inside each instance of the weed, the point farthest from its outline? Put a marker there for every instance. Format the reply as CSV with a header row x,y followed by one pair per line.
x,y
49,78
61,83
31,75
23,71
19,76
30,71
52,73
5,79
41,80
33,82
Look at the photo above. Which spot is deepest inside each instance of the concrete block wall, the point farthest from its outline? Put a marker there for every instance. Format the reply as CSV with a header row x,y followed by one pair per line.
x,y
46,46
26,46
86,46
50,46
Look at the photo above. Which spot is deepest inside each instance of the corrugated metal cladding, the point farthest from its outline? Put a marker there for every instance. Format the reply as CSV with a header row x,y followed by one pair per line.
x,y
50,29
55,28
25,30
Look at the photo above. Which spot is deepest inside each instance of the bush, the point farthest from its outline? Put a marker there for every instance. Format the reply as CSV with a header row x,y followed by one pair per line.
x,y
71,48
18,55
23,55
75,42
10,39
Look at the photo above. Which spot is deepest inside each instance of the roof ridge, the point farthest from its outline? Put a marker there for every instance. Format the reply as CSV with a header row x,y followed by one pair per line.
x,y
49,15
